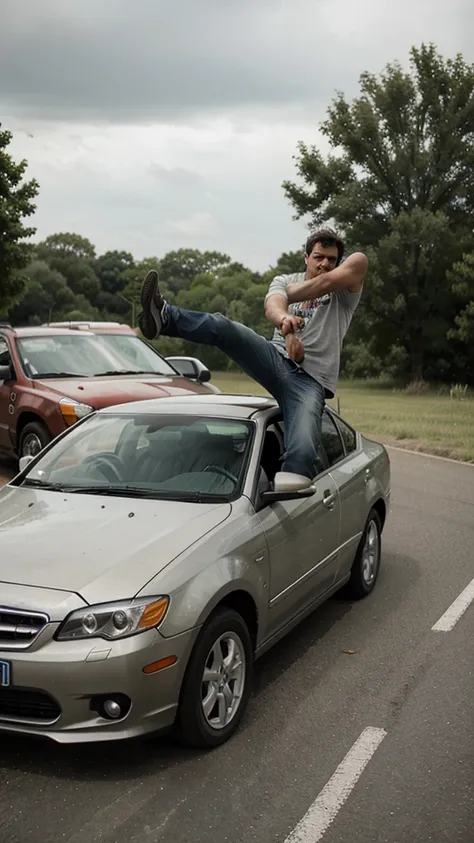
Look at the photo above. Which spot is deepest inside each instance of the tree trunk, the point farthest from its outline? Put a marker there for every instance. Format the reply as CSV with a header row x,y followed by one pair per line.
x,y
417,354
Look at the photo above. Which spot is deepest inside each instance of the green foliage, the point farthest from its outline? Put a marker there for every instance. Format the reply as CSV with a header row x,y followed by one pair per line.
x,y
46,295
462,280
287,263
110,268
16,202
400,184
179,268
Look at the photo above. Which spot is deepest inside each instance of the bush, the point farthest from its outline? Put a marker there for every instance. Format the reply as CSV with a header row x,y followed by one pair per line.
x,y
459,392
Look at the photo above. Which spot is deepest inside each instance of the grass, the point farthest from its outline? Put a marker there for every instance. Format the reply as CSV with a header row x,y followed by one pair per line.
x,y
429,422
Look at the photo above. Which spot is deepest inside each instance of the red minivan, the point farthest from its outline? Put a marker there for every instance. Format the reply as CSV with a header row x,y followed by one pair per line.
x,y
52,376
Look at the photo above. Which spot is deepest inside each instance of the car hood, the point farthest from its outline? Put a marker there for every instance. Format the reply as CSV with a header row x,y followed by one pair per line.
x,y
101,548
107,391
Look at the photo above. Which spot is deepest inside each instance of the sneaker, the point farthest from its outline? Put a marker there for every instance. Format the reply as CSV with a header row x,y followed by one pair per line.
x,y
150,320
285,481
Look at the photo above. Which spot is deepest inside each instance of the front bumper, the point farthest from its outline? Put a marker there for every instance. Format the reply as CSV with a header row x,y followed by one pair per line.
x,y
69,676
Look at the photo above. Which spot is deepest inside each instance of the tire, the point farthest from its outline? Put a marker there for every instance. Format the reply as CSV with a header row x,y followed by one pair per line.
x,y
33,438
365,570
204,730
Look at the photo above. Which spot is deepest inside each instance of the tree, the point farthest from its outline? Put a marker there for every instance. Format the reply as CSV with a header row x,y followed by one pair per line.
x,y
74,257
63,246
462,280
287,263
400,183
177,269
82,311
16,202
110,268
47,296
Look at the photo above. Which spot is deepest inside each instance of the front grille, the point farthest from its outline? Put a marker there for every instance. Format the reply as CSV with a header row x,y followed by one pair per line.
x,y
28,704
18,629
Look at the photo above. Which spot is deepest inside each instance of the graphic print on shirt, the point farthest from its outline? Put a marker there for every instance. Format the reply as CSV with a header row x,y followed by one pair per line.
x,y
307,309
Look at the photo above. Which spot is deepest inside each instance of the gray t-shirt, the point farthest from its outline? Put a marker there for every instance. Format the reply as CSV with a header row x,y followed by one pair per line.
x,y
327,320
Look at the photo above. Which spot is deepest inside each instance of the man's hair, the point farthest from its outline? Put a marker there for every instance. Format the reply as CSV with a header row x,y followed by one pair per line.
x,y
327,237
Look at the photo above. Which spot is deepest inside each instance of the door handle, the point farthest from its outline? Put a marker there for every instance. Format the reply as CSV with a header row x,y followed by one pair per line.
x,y
329,499
368,474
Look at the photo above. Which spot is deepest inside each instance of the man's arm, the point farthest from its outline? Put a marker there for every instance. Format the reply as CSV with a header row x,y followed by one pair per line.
x,y
276,308
276,311
348,276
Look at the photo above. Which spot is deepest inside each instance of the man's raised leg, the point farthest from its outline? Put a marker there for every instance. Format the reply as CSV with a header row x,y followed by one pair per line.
x,y
300,398
255,355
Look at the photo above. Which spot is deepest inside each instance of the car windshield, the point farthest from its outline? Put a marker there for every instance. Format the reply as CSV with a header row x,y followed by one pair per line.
x,y
162,456
89,355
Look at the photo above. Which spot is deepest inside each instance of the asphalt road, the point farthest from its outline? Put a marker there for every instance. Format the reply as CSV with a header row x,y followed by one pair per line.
x,y
296,762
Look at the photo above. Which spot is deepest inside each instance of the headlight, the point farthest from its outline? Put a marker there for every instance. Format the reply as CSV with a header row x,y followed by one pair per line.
x,y
72,410
114,620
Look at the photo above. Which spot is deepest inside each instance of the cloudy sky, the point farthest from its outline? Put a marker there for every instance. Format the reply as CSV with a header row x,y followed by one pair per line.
x,y
156,124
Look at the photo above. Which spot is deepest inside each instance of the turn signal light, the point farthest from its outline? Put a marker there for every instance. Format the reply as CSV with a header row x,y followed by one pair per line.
x,y
154,613
154,667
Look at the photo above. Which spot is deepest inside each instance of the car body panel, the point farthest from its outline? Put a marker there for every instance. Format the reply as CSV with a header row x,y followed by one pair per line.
x,y
24,399
362,480
303,539
75,671
109,391
232,557
133,542
54,602
60,551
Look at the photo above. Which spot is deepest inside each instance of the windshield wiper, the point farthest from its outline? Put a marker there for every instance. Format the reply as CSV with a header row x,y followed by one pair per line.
x,y
42,484
113,491
44,375
126,492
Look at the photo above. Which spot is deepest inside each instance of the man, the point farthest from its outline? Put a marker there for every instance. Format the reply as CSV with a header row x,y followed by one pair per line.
x,y
299,366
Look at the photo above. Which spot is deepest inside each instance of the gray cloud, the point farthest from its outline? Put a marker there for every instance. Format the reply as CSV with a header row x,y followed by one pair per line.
x,y
148,60
155,124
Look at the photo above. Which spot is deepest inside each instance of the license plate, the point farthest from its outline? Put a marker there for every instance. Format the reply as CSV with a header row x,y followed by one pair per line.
x,y
5,674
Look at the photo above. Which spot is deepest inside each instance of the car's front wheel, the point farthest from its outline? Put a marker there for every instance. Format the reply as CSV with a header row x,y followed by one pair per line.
x,y
34,437
366,565
217,682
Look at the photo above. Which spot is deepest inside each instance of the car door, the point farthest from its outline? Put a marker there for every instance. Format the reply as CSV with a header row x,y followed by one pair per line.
x,y
302,538
5,402
350,469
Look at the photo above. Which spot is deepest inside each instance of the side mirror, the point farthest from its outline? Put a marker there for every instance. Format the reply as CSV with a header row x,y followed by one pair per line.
x,y
25,461
191,367
271,497
6,373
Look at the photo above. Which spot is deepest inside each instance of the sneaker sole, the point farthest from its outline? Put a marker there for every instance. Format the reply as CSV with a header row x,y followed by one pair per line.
x,y
150,319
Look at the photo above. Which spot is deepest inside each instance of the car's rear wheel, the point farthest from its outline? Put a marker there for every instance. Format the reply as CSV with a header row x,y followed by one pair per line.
x,y
217,682
366,565
33,438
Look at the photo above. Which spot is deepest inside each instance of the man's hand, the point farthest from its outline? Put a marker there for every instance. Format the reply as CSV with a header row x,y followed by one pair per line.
x,y
291,324
294,347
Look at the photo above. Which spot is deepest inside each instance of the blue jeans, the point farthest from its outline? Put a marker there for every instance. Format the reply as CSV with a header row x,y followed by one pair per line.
x,y
300,397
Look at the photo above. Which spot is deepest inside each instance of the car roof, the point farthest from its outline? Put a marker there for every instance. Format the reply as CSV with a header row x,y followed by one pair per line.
x,y
95,327
214,404
54,331
44,332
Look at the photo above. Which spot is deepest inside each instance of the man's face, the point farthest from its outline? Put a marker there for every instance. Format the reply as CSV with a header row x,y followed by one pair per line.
x,y
321,259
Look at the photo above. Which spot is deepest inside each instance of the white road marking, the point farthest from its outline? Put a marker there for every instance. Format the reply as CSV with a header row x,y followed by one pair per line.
x,y
456,610
333,795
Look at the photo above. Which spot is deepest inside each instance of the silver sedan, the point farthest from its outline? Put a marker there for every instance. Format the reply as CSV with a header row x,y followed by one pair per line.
x,y
145,563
